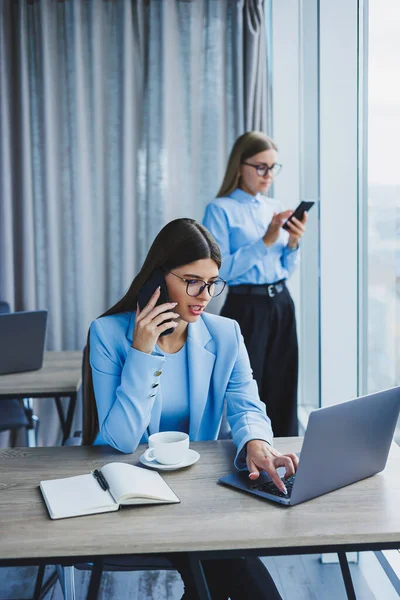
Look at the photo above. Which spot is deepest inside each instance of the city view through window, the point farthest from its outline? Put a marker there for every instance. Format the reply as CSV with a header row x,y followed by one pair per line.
x,y
383,195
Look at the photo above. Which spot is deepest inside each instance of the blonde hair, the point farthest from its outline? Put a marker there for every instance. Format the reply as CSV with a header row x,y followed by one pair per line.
x,y
246,145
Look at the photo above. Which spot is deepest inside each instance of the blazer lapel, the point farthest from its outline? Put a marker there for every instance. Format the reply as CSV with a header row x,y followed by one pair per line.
x,y
200,366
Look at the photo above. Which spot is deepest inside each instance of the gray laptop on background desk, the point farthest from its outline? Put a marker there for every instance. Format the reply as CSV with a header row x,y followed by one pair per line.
x,y
22,336
342,444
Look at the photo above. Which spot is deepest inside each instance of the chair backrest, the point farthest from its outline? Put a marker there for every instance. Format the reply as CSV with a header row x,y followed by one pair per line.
x,y
77,438
12,415
4,307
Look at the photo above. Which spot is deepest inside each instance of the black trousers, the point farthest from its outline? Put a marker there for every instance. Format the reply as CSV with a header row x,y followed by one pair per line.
x,y
269,329
235,578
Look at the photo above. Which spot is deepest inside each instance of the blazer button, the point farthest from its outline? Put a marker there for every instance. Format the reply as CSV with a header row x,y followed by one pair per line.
x,y
151,395
154,385
157,373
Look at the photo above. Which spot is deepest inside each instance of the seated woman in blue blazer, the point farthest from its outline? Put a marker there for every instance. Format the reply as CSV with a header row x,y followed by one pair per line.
x,y
138,383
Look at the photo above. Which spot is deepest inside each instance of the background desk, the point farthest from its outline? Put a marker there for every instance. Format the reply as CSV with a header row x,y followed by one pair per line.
x,y
60,376
211,520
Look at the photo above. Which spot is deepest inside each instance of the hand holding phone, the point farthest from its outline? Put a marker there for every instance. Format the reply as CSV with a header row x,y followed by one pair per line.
x,y
154,315
157,280
299,213
274,228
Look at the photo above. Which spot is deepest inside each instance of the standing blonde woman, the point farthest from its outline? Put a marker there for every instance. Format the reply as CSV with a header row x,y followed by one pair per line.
x,y
258,256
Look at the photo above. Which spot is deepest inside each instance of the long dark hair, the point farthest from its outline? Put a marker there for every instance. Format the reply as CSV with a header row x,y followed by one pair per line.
x,y
180,242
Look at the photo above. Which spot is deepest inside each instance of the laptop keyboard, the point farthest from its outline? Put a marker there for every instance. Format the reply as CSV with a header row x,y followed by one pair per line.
x,y
270,488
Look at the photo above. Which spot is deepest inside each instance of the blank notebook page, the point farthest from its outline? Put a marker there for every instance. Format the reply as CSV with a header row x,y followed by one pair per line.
x,y
125,480
78,495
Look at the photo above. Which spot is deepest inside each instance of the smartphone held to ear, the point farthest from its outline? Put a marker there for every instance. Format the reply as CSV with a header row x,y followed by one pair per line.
x,y
299,212
156,280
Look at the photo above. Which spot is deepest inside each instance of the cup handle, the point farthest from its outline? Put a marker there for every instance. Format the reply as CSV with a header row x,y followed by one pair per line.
x,y
149,454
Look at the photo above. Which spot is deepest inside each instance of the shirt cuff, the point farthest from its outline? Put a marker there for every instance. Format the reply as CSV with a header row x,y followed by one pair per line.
x,y
240,459
143,360
291,250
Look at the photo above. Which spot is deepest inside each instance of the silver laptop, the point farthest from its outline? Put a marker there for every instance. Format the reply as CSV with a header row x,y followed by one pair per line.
x,y
22,337
342,444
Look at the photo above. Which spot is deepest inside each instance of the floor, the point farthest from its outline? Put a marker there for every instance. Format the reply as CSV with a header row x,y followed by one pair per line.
x,y
297,578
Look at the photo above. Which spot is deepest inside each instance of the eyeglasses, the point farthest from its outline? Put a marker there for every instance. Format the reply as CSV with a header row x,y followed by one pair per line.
x,y
195,287
263,169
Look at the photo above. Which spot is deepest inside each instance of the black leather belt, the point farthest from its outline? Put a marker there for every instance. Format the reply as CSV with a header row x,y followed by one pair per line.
x,y
267,289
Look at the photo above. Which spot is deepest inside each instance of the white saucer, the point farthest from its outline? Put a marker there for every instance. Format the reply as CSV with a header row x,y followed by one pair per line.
x,y
191,457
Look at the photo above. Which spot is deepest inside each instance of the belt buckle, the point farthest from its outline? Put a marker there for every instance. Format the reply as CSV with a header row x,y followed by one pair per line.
x,y
271,290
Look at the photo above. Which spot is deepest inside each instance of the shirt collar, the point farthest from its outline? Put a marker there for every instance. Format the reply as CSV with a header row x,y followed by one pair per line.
x,y
242,196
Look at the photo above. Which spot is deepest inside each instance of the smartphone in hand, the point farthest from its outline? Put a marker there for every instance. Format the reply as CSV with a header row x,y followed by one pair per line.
x,y
299,212
156,280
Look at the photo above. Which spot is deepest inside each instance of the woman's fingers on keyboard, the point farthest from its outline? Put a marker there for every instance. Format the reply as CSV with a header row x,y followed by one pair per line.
x,y
295,459
274,475
286,461
252,467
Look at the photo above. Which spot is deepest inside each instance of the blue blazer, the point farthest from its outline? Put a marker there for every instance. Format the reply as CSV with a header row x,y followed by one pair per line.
x,y
129,408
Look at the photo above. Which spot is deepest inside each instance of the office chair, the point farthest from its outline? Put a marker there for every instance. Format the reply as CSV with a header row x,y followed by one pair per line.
x,y
14,414
13,418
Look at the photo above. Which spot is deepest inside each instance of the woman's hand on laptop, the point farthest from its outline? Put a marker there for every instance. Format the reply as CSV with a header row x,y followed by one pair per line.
x,y
263,457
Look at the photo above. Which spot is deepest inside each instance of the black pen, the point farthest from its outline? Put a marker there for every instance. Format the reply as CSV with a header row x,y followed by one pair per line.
x,y
102,481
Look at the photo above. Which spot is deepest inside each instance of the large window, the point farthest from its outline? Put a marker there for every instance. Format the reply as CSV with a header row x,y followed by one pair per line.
x,y
295,129
336,116
383,195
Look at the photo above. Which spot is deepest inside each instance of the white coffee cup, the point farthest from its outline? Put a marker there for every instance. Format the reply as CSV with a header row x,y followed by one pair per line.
x,y
167,447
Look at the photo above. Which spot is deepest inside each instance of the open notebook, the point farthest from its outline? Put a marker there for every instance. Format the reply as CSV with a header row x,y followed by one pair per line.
x,y
115,484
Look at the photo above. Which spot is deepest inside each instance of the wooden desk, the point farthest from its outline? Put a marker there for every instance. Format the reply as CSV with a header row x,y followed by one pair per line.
x,y
60,376
211,521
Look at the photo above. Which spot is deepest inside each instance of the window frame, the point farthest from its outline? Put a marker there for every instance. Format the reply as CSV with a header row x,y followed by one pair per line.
x,y
335,313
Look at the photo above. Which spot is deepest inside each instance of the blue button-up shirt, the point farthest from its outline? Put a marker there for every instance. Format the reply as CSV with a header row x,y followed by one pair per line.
x,y
238,222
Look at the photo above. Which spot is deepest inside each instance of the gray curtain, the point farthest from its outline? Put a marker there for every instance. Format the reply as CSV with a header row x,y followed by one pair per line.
x,y
116,116
72,82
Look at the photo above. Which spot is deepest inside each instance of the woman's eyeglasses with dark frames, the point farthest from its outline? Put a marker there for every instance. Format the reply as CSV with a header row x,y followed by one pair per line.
x,y
263,170
195,287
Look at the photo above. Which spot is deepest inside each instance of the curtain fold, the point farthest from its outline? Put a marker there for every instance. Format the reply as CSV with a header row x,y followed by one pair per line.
x,y
115,117
255,61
